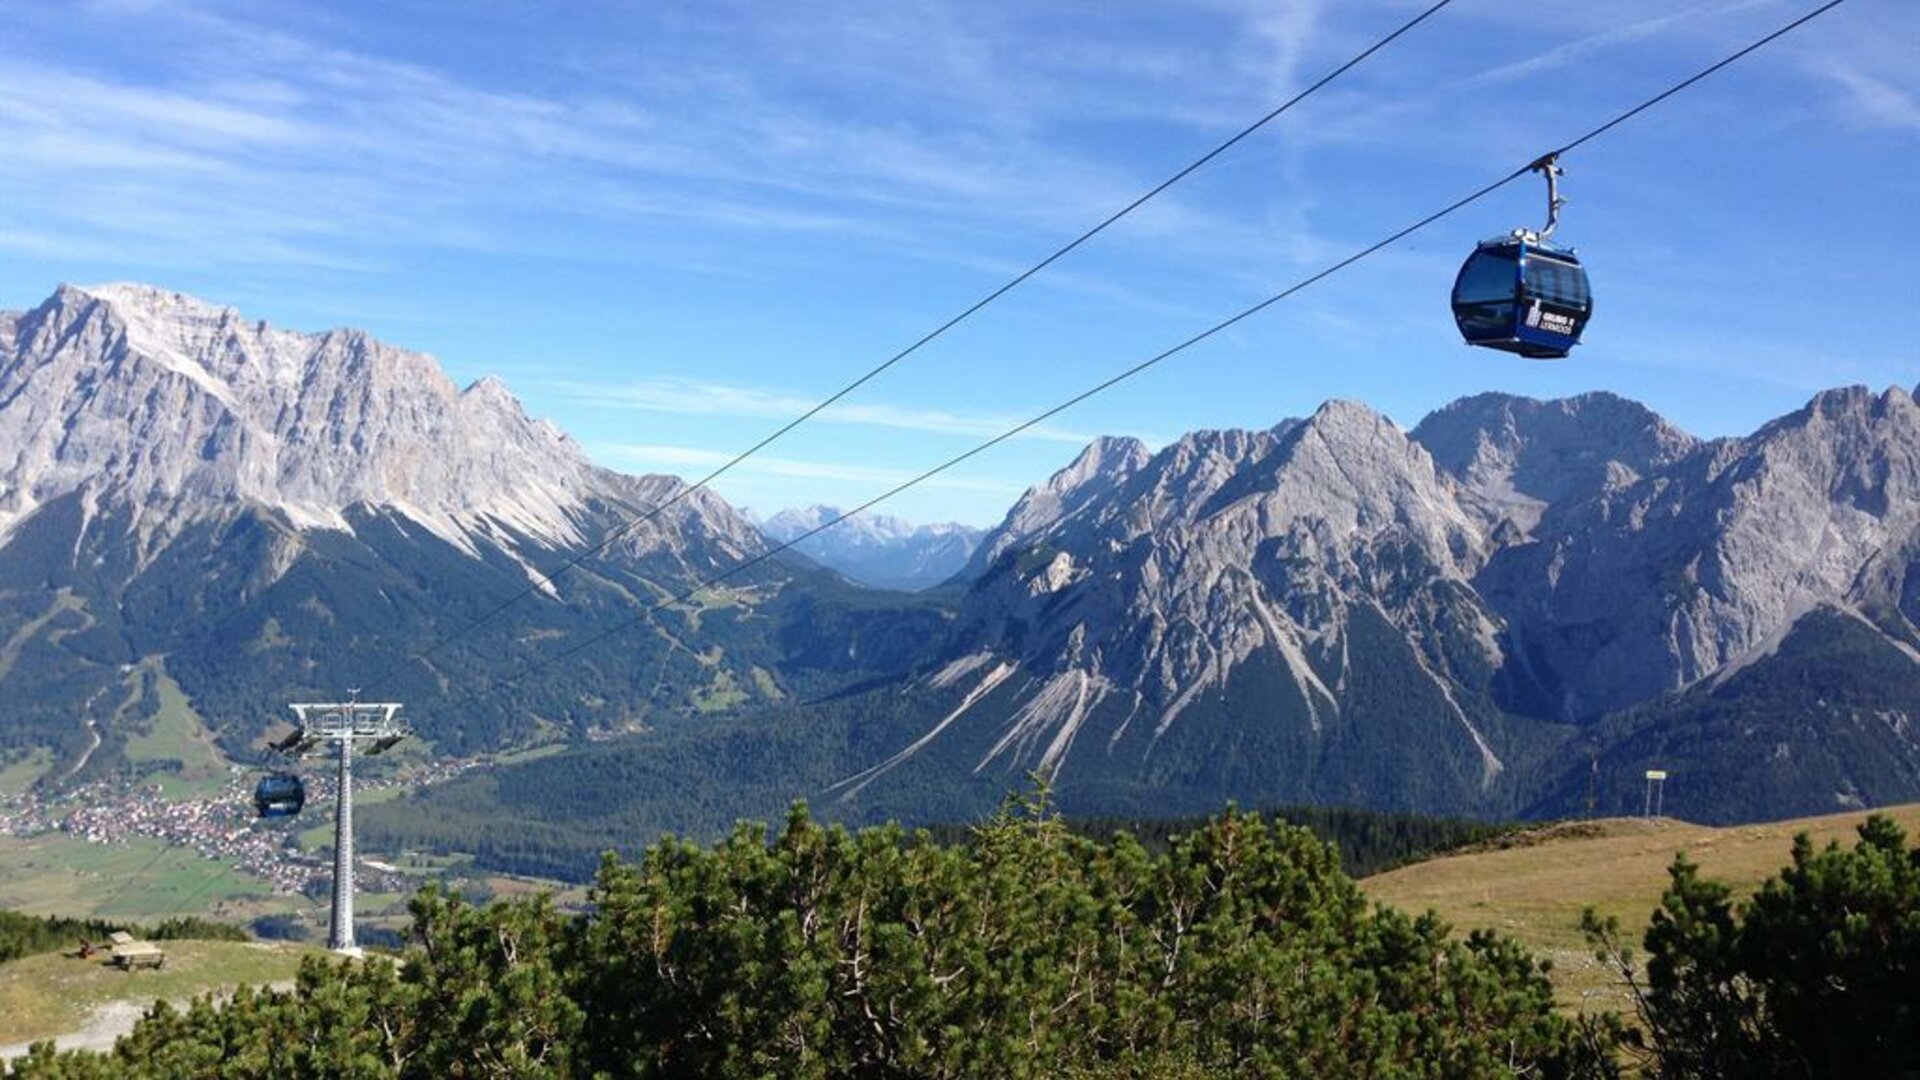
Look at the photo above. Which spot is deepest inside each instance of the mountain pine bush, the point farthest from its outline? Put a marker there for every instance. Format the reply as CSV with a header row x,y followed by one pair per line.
x,y
1817,975
1243,950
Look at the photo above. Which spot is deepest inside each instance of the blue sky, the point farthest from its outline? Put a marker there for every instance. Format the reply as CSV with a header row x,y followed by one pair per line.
x,y
671,226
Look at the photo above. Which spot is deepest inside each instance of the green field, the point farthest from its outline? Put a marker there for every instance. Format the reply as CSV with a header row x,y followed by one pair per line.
x,y
176,733
1535,889
19,774
57,874
318,817
48,995
720,695
532,753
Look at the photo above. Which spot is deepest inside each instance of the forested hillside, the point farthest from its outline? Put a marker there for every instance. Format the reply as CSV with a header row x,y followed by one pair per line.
x,y
1822,722
555,816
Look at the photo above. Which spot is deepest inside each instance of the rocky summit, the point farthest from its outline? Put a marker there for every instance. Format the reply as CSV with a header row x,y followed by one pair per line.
x,y
180,409
1461,617
255,513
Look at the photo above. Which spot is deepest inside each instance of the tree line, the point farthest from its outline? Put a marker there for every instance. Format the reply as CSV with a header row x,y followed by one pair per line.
x,y
28,935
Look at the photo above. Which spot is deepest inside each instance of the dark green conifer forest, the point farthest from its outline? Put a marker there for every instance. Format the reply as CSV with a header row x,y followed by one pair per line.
x,y
25,935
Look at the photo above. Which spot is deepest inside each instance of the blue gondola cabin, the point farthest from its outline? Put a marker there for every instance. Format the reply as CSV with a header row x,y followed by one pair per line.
x,y
1522,295
279,795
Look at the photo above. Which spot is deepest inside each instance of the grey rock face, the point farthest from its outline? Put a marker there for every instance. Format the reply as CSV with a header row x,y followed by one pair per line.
x,y
1555,560
1130,587
182,409
1662,581
1518,455
1058,504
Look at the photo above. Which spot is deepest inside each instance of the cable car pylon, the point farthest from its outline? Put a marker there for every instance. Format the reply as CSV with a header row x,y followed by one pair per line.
x,y
345,723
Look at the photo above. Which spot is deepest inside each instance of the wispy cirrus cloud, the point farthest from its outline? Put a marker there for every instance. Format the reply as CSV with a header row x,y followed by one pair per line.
x,y
699,398
1613,37
261,118
250,138
679,459
1876,101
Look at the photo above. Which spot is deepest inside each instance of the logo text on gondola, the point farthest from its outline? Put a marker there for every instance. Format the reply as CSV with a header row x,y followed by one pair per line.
x,y
1550,321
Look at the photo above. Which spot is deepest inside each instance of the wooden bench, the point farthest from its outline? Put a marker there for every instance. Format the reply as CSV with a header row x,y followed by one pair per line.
x,y
138,954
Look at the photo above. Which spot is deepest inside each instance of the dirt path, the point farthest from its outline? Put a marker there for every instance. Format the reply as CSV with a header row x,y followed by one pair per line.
x,y
103,1029
93,730
106,1025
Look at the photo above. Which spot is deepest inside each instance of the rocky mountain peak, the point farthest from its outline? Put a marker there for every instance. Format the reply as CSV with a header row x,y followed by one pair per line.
x,y
1518,455
1850,435
205,342
1353,428
1105,459
1358,473
1105,464
1224,557
1846,407
868,529
491,388
187,410
1700,562
1511,558
149,304
1338,412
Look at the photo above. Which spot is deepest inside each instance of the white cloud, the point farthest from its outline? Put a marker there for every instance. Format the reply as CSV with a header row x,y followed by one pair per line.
x,y
365,132
1876,101
1562,55
236,119
678,459
697,398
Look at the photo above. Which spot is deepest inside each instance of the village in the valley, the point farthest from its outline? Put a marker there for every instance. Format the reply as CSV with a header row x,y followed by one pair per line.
x,y
223,827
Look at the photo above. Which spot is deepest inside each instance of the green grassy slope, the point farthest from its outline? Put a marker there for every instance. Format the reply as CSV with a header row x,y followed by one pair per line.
x,y
51,994
1535,889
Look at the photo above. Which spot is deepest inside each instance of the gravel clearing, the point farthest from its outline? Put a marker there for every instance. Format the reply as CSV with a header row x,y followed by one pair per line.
x,y
102,1030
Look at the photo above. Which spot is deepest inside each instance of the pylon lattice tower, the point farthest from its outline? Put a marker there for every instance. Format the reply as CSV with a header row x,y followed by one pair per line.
x,y
346,723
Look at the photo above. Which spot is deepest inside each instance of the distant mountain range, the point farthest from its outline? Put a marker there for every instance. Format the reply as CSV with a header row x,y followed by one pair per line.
x,y
875,549
1517,607
1337,610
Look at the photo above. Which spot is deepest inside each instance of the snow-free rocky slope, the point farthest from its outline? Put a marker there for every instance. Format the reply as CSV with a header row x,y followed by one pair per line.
x,y
1458,618
181,409
1263,615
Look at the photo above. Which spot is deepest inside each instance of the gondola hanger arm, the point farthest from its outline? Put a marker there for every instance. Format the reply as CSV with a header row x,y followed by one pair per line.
x,y
1549,167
